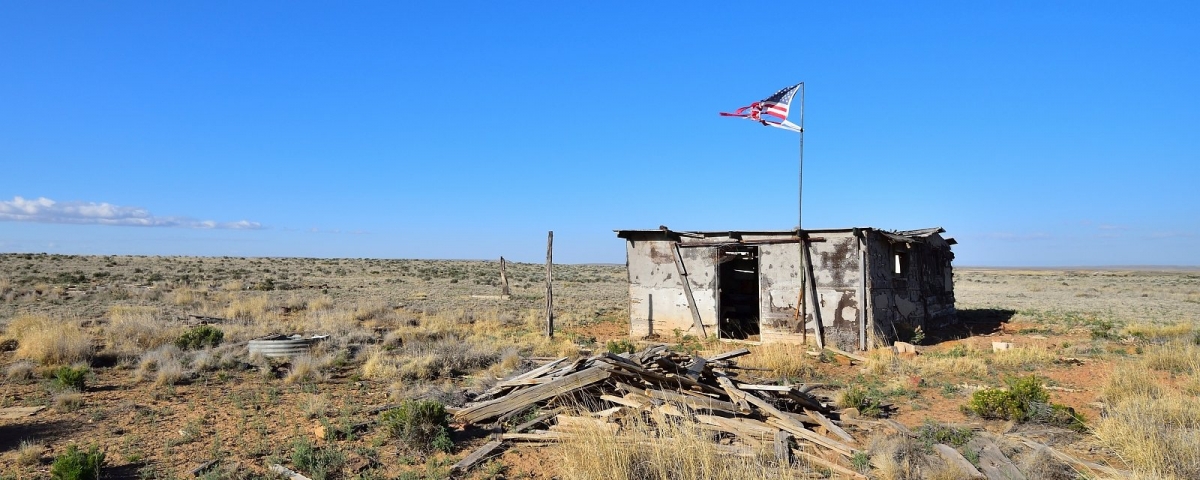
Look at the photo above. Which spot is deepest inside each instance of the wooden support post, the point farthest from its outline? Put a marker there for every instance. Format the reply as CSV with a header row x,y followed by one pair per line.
x,y
812,285
550,284
503,279
687,289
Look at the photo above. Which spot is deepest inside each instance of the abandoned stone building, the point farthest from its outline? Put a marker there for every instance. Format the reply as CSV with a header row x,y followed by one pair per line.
x,y
852,288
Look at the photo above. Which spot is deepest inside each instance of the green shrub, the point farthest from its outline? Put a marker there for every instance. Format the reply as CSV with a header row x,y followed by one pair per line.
x,y
620,346
932,433
199,337
70,378
1025,400
420,425
318,463
77,465
860,398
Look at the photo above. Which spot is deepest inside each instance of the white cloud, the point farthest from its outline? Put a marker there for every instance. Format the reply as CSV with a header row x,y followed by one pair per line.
x,y
45,210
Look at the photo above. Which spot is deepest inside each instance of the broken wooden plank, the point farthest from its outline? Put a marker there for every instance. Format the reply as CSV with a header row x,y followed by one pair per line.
x,y
859,358
737,396
536,437
1076,462
582,424
686,282
475,457
536,420
783,447
623,401
728,355
952,457
992,462
525,397
282,470
203,467
696,368
828,464
829,425
786,422
695,403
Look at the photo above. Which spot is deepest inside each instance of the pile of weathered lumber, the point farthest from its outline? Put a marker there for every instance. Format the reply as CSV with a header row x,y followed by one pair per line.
x,y
745,415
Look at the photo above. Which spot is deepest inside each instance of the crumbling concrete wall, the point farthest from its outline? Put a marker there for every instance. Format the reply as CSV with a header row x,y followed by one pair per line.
x,y
657,303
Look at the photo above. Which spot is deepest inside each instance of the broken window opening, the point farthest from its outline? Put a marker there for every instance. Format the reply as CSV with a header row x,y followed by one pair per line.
x,y
901,264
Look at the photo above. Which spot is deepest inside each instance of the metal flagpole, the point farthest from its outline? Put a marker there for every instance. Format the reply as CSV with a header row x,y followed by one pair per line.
x,y
800,205
801,241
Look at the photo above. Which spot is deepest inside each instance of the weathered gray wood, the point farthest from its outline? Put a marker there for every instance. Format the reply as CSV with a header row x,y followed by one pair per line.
x,y
828,464
203,467
737,396
829,425
783,447
282,470
952,457
687,289
846,354
696,403
528,396
668,380
696,368
728,355
786,422
475,457
1078,463
536,420
503,279
535,373
812,286
550,284
992,462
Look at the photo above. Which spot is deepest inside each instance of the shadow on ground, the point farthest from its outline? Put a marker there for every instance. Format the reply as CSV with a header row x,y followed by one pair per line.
x,y
12,434
971,322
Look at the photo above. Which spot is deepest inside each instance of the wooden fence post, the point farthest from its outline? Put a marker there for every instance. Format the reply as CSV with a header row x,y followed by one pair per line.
x,y
550,285
503,279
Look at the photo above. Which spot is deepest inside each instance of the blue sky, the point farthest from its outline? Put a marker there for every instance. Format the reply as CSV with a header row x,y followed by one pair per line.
x,y
1037,134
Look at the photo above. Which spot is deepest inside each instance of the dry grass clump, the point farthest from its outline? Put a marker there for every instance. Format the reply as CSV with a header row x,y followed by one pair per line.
x,y
164,365
1179,358
249,308
67,401
1154,427
222,357
784,359
1159,333
186,297
29,452
307,369
659,450
135,329
20,371
313,405
934,367
1023,358
49,341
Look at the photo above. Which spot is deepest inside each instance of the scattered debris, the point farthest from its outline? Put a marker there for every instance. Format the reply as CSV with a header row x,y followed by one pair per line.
x,y
277,346
745,413
282,470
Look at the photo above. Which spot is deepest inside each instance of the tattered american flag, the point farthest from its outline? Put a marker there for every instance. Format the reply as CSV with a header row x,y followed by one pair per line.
x,y
771,111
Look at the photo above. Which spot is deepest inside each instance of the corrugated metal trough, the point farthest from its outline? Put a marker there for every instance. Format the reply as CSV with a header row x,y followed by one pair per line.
x,y
283,346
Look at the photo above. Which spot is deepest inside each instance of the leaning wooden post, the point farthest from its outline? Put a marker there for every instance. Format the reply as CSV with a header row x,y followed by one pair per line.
x,y
503,279
550,284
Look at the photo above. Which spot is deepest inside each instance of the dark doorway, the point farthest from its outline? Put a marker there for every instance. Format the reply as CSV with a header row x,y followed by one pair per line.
x,y
737,282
